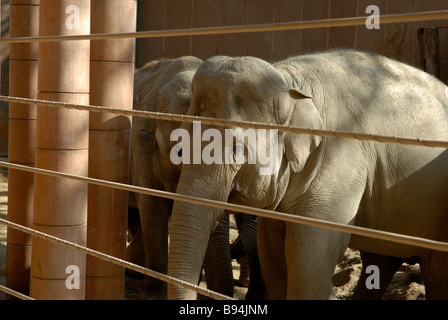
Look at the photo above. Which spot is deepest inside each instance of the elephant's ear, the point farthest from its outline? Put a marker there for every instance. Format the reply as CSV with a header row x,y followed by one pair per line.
x,y
304,114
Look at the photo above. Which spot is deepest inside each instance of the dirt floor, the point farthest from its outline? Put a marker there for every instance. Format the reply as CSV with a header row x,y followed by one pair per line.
x,y
406,285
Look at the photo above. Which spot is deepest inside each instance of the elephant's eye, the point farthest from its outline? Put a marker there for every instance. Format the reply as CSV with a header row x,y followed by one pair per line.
x,y
146,135
239,102
143,133
179,153
238,153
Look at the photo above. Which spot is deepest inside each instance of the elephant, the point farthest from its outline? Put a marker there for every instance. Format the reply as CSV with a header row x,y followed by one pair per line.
x,y
244,247
165,86
387,265
386,186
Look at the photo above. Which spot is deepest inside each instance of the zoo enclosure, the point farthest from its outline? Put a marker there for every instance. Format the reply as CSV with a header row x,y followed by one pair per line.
x,y
108,34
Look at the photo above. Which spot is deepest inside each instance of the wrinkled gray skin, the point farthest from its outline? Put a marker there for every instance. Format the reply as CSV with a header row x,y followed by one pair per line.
x,y
390,187
165,86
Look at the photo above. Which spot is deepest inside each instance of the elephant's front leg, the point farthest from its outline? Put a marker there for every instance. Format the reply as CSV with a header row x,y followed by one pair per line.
x,y
217,260
332,191
245,247
271,251
135,252
311,256
154,215
387,265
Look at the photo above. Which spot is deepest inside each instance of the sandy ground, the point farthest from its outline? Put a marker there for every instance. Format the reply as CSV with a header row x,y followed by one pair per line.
x,y
406,285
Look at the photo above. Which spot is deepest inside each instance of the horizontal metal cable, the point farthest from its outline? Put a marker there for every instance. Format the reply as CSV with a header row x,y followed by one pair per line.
x,y
366,232
342,22
115,260
232,123
15,293
301,25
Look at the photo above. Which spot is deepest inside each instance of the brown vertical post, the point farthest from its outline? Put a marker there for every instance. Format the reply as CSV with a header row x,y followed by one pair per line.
x,y
4,89
111,85
24,22
60,205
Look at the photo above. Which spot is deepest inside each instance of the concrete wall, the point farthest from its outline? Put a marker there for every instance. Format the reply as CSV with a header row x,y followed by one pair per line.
x,y
398,41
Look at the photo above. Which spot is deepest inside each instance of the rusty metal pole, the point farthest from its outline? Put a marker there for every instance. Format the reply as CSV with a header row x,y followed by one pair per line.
x,y
111,85
24,22
60,205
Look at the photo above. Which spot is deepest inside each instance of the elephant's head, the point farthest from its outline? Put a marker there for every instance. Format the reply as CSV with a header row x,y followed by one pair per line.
x,y
174,97
162,86
247,89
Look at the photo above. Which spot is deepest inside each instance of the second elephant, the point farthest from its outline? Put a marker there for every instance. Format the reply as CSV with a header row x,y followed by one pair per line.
x,y
165,86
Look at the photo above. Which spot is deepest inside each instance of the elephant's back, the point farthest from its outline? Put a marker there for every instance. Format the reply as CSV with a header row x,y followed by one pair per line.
x,y
374,94
149,79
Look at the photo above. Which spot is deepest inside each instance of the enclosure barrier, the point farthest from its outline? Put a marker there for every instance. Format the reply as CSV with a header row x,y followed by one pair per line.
x,y
377,234
404,239
23,59
111,84
230,123
15,293
112,259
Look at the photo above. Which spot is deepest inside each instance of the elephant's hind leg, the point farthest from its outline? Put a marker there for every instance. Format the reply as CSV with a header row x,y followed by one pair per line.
x,y
271,251
388,266
435,276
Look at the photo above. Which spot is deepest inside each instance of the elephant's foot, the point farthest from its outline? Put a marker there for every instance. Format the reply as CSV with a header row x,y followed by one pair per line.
x,y
244,272
155,289
137,289
135,254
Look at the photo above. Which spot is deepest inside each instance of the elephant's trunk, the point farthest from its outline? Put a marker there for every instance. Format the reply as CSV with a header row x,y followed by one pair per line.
x,y
191,226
